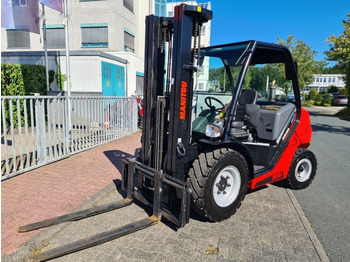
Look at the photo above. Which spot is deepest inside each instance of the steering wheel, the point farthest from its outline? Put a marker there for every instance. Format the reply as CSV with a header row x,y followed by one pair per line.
x,y
209,103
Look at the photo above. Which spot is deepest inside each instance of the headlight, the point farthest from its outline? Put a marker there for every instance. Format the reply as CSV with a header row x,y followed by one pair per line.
x,y
213,131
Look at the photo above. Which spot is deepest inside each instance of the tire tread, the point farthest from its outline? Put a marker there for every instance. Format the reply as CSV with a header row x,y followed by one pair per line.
x,y
198,176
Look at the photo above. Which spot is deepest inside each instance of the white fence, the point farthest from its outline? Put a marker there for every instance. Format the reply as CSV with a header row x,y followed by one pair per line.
x,y
37,130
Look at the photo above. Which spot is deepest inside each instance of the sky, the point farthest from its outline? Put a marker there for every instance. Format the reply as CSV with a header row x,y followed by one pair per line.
x,y
264,20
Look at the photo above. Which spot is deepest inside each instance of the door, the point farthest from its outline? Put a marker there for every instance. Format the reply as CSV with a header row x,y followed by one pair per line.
x,y
113,79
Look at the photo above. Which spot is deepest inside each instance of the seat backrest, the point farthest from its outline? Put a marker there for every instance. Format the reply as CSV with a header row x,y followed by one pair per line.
x,y
248,96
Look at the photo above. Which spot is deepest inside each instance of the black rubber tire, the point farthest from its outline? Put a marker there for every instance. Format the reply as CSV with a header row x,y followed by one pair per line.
x,y
302,156
202,178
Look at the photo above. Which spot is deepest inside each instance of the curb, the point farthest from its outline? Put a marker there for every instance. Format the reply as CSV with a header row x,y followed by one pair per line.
x,y
315,241
42,239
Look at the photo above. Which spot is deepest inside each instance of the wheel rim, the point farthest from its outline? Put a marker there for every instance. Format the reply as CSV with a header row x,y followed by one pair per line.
x,y
303,170
226,186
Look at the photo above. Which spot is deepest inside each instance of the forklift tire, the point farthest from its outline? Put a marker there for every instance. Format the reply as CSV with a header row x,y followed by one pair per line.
x,y
303,169
219,183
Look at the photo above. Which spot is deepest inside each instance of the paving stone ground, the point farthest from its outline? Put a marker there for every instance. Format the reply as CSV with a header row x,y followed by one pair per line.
x,y
269,226
58,188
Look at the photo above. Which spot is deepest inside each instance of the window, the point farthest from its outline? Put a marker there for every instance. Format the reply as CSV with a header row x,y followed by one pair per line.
x,y
333,79
203,30
139,84
324,80
129,39
329,80
55,37
18,39
129,4
94,35
160,7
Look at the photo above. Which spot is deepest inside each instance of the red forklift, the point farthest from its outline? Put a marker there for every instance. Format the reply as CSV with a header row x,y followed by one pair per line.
x,y
227,148
206,156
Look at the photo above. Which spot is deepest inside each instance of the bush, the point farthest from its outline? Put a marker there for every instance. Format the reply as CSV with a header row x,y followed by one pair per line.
x,y
344,113
306,104
327,99
20,80
34,79
12,83
318,100
332,89
343,91
313,93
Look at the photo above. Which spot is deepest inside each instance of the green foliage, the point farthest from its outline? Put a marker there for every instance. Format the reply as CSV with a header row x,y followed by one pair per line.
x,y
220,74
305,58
306,104
12,83
304,95
343,91
313,93
331,70
344,113
248,78
60,78
327,99
256,77
20,80
318,99
332,89
34,78
340,51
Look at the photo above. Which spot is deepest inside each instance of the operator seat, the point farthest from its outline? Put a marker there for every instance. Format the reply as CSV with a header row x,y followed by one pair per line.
x,y
247,113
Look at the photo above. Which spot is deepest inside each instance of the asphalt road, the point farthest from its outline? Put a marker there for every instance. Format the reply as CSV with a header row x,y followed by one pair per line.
x,y
326,202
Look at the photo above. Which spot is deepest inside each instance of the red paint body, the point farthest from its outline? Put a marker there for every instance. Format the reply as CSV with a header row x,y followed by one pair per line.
x,y
300,139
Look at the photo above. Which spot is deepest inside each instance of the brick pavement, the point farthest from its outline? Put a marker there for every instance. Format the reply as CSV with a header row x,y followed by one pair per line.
x,y
58,188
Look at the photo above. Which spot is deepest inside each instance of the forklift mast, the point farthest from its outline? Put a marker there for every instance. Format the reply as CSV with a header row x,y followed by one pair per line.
x,y
168,93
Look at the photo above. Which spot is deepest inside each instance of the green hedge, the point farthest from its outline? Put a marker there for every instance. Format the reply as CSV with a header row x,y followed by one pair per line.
x,y
20,80
12,83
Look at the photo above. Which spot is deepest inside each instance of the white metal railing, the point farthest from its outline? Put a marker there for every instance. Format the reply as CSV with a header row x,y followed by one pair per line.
x,y
35,130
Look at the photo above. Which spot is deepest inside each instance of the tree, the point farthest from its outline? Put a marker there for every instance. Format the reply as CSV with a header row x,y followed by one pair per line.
x,y
331,70
313,94
305,58
339,52
343,91
332,89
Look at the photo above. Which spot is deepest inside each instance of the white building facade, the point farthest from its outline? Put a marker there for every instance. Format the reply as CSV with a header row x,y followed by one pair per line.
x,y
106,43
321,82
